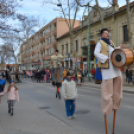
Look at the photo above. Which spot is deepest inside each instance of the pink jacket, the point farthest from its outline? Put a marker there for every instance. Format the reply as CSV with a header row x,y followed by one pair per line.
x,y
12,94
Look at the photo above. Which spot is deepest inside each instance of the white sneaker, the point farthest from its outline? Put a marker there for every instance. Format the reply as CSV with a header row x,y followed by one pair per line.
x,y
73,116
69,117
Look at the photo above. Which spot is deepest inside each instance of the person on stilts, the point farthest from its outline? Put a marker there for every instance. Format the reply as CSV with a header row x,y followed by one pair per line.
x,y
111,87
57,71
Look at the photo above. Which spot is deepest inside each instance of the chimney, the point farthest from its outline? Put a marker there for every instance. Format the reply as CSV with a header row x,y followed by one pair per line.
x,y
115,2
115,5
85,17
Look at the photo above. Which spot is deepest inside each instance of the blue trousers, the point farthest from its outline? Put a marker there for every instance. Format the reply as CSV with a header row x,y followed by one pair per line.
x,y
70,107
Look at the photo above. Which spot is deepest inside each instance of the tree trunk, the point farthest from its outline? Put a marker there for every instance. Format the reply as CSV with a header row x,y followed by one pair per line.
x,y
101,15
130,34
129,25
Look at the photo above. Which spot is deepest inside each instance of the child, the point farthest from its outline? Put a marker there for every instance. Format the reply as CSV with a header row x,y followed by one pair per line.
x,y
12,96
69,92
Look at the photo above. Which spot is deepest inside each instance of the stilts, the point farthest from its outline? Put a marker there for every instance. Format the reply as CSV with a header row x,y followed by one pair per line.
x,y
114,121
105,120
58,93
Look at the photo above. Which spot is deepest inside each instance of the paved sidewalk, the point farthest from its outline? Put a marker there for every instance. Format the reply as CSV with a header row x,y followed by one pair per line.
x,y
29,119
129,88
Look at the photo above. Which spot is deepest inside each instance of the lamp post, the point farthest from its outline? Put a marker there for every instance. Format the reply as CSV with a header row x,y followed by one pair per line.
x,y
89,44
68,60
38,63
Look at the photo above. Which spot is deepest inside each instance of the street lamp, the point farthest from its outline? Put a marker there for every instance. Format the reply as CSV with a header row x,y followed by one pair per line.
x,y
38,63
68,60
59,5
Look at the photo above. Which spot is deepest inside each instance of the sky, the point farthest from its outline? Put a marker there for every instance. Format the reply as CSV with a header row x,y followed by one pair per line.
x,y
47,12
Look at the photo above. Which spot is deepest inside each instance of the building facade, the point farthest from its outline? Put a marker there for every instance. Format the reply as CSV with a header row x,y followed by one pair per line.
x,y
37,50
115,20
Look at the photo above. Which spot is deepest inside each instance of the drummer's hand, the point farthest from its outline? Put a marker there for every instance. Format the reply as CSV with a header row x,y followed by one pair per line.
x,y
122,46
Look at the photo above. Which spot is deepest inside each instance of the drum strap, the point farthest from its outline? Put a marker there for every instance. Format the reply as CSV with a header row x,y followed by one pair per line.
x,y
111,45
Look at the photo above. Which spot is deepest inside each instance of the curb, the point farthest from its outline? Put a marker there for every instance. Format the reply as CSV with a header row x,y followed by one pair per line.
x,y
90,86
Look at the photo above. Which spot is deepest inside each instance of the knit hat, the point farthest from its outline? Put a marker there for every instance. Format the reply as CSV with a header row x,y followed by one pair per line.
x,y
56,51
11,81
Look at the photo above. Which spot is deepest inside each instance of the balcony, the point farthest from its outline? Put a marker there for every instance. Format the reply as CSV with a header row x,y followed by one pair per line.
x,y
54,44
35,48
35,56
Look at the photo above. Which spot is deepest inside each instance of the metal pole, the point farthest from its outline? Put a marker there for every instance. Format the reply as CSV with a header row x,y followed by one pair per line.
x,y
88,44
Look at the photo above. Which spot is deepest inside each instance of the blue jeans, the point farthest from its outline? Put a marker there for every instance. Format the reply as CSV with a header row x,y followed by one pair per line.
x,y
70,107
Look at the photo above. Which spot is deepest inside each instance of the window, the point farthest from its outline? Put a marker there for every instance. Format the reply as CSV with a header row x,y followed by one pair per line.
x,y
43,33
49,51
95,14
77,45
125,33
62,49
99,37
49,40
91,37
66,48
85,42
109,32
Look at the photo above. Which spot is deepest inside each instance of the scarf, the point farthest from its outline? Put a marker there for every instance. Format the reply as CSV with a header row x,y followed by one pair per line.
x,y
107,41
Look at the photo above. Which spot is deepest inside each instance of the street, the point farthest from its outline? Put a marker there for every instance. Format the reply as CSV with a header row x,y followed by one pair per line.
x,y
89,119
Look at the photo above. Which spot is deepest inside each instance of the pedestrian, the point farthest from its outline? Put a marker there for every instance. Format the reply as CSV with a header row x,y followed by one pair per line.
x,y
127,74
72,76
2,83
69,92
93,72
64,74
12,96
98,76
57,71
79,78
48,76
38,75
111,87
82,76
24,74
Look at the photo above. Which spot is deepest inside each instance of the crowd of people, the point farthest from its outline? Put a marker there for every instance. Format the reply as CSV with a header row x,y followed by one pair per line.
x,y
42,75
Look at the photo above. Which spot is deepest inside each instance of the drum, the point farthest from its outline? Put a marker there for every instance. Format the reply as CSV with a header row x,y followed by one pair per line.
x,y
122,57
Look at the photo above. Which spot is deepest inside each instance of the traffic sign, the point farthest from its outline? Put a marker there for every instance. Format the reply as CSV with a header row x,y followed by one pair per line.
x,y
76,63
78,59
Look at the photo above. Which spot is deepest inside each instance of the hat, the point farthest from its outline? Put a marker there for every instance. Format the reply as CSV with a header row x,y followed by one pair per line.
x,y
57,51
11,81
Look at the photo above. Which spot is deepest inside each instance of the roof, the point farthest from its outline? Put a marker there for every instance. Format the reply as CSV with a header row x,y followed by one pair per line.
x,y
124,7
79,27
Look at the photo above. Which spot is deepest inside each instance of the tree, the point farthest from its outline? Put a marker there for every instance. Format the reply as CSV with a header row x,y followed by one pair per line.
x,y
7,12
129,29
129,22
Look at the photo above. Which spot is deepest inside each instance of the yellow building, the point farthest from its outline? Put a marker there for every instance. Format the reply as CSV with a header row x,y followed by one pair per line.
x,y
115,21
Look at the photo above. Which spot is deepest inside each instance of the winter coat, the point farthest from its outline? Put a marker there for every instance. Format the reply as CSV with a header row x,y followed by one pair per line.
x,y
69,90
12,94
2,82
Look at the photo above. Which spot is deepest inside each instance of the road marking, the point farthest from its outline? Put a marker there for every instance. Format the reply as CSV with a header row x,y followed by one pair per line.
x,y
130,107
